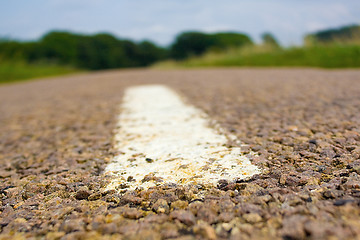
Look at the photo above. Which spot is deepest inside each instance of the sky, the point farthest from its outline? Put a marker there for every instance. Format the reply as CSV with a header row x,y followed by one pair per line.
x,y
161,20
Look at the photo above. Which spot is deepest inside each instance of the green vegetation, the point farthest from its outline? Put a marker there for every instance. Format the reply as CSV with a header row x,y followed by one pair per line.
x,y
335,56
334,48
100,51
63,52
189,44
345,35
269,40
16,70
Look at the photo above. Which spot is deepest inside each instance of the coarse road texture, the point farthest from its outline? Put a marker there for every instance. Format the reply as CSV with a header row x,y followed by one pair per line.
x,y
56,140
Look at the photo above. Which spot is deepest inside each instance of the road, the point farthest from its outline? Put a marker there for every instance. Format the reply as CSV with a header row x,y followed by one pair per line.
x,y
301,127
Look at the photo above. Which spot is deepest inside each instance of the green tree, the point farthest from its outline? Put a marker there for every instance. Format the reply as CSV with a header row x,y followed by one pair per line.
x,y
269,40
229,39
150,53
189,44
345,34
60,47
99,51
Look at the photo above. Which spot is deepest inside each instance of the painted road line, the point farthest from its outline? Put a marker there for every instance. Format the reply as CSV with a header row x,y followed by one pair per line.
x,y
163,140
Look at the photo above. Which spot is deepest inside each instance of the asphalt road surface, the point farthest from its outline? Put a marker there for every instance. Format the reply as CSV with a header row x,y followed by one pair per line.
x,y
300,127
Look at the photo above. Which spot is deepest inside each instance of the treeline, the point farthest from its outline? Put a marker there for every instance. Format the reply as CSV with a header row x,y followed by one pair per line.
x,y
100,51
345,34
332,48
104,51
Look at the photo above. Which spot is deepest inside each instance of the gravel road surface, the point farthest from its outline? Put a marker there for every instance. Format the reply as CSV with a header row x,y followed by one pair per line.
x,y
56,138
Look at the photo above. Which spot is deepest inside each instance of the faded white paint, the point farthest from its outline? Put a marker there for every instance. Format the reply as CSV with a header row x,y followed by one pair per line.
x,y
164,140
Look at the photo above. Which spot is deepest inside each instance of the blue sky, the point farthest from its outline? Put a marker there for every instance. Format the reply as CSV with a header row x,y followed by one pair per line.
x,y
161,20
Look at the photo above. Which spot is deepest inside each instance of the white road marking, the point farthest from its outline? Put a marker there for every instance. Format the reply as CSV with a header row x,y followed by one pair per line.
x,y
163,140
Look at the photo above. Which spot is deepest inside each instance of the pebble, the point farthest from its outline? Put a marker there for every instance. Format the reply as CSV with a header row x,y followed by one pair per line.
x,y
205,231
183,216
179,204
132,213
72,225
82,194
252,218
94,196
161,206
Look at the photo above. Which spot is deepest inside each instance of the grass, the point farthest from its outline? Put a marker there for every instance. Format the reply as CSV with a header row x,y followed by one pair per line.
x,y
17,70
330,56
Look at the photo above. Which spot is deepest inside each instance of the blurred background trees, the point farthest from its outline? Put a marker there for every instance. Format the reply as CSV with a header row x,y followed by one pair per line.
x,y
60,51
269,40
100,51
104,51
190,44
344,35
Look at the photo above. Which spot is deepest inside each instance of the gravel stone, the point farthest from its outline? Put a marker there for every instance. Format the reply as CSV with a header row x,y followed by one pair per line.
x,y
132,213
205,231
82,194
179,204
252,218
183,216
161,206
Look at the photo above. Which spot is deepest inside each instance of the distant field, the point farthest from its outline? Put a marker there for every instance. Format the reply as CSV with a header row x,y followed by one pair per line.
x,y
329,56
15,70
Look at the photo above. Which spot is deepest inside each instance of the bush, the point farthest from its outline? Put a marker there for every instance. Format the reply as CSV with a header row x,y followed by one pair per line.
x,y
190,44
